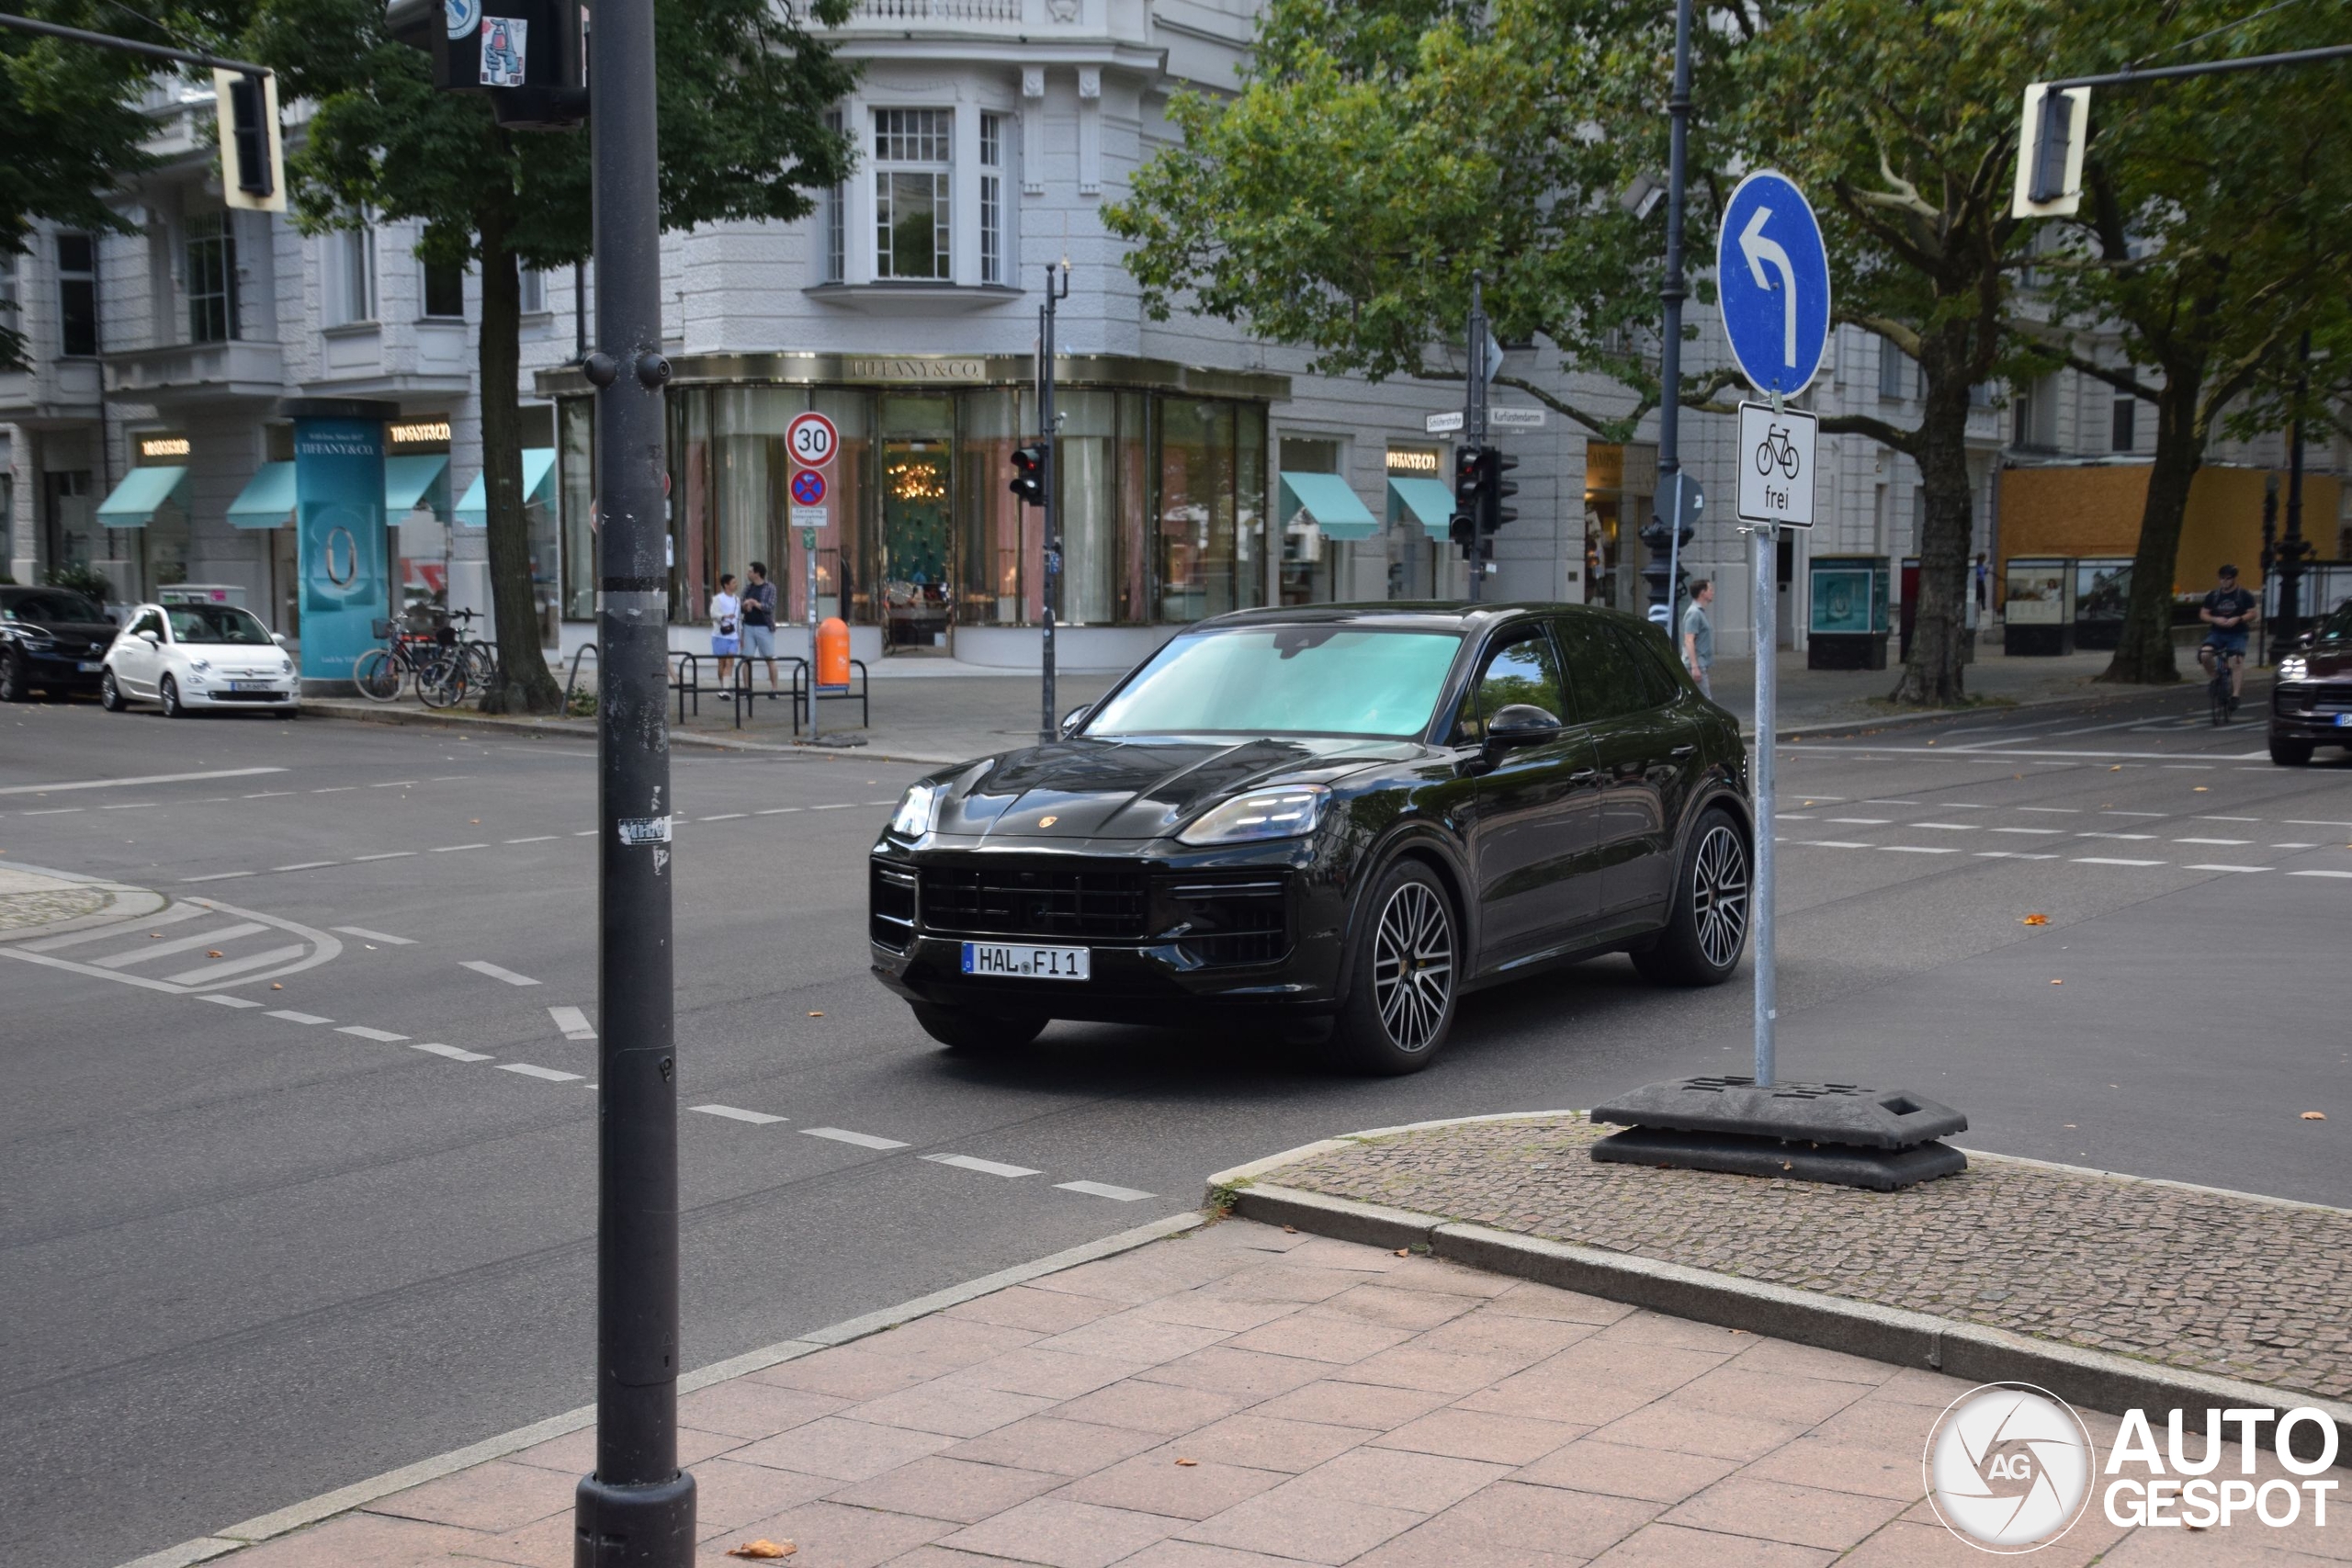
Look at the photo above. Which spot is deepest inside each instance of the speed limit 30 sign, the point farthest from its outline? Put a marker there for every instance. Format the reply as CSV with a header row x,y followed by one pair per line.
x,y
812,440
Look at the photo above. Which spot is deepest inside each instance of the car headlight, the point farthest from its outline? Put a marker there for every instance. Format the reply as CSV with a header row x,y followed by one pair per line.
x,y
916,809
2294,667
199,664
1290,811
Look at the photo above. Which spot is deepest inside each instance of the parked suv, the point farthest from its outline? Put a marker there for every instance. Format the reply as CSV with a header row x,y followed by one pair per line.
x,y
51,639
2311,701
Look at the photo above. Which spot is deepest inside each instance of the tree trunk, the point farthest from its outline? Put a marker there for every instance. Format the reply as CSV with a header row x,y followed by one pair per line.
x,y
2143,655
1933,676
524,684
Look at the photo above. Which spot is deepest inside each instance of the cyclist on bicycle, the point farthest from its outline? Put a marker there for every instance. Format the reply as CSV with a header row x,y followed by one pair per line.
x,y
2227,611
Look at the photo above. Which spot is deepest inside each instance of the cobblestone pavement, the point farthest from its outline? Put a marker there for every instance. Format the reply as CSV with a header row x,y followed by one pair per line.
x,y
28,900
1248,1398
2235,1286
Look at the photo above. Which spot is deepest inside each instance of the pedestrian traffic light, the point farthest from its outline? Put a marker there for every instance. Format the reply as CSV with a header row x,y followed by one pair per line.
x,y
531,59
1029,473
253,164
1469,480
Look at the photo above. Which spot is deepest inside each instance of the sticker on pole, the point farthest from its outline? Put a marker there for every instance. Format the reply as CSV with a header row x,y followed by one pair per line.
x,y
812,440
645,830
1772,280
1776,451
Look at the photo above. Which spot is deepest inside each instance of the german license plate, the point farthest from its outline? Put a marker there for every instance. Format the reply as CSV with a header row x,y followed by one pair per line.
x,y
2343,721
1022,962
249,685
87,667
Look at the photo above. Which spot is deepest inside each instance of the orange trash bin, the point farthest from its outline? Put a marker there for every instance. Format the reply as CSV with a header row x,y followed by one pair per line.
x,y
833,654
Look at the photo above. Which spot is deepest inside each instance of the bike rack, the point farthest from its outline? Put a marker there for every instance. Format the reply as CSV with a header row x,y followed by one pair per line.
x,y
572,679
742,694
686,677
857,695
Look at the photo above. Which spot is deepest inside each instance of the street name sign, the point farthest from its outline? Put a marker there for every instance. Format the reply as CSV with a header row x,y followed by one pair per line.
x,y
812,440
1772,280
1514,419
1776,451
1442,424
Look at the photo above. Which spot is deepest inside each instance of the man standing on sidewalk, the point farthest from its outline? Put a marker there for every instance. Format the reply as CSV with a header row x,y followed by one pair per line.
x,y
759,620
1699,635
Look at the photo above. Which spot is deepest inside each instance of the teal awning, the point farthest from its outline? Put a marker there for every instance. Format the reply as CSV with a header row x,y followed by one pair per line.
x,y
407,479
1326,499
268,500
134,501
1427,502
538,473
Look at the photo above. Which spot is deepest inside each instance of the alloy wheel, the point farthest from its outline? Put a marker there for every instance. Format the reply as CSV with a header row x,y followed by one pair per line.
x,y
1719,895
1412,966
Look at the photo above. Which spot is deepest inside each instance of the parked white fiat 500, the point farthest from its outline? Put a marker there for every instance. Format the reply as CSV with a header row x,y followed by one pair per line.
x,y
193,656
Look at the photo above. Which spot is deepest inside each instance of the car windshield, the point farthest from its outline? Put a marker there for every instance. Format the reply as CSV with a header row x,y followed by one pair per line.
x,y
1309,680
2338,627
52,604
216,623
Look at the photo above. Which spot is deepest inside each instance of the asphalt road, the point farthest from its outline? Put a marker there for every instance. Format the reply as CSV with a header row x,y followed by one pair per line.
x,y
251,1252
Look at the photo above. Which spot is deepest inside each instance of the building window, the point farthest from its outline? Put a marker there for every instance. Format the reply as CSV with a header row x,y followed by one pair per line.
x,y
2037,415
991,198
910,192
9,294
836,217
78,294
347,259
212,279
1894,371
532,291
444,291
2126,430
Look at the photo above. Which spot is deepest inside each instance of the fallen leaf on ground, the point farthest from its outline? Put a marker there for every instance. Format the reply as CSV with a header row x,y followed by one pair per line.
x,y
2057,982
1404,1252
816,1015
2200,789
1188,1462
763,1547
473,821
2314,1115
153,935
2074,1127
2117,769
2033,920
276,987
1290,1230
211,953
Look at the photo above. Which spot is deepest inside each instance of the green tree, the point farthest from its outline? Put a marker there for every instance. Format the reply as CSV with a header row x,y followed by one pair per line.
x,y
2216,229
70,119
743,86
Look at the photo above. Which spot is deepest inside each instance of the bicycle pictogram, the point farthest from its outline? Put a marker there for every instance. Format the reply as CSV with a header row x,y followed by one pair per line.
x,y
1776,447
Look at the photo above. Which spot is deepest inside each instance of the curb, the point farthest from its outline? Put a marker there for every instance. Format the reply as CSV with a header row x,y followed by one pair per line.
x,y
312,1510
2098,1379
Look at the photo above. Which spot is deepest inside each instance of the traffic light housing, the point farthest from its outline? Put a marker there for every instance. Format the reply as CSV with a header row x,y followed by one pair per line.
x,y
537,73
1029,474
1479,490
253,160
2049,152
1497,489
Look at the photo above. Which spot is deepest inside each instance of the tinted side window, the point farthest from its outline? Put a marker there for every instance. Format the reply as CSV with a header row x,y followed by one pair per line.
x,y
1655,660
1522,669
1606,670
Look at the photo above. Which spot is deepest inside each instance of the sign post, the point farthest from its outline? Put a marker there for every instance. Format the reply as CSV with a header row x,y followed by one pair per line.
x,y
811,441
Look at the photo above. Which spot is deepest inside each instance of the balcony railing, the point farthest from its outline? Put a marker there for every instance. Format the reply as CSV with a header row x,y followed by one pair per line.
x,y
900,12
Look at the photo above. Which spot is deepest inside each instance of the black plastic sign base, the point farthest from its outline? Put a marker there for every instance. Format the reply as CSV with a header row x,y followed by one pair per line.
x,y
1842,1164
1814,1113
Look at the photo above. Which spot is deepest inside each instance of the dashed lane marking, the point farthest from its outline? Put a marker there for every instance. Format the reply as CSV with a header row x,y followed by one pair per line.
x,y
1948,827
863,1140
290,1016
453,849
51,811
2227,842
572,1023
2055,810
383,1036
214,973
2228,868
771,811
128,957
387,854
452,1052
216,877
529,1071
497,973
1104,1190
131,806
537,838
227,1001
723,817
2038,832
2102,860
364,934
1916,850
148,779
1860,822
305,865
2009,854
985,1167
736,1114
2137,838
2346,875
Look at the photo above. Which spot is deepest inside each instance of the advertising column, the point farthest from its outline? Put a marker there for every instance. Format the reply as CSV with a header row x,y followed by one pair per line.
x,y
339,528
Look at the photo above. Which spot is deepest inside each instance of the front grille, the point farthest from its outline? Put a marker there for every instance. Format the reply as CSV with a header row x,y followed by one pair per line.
x,y
1232,921
249,696
890,907
1035,898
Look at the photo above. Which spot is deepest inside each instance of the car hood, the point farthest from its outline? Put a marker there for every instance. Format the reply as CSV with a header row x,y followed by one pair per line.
x,y
2328,661
1086,788
97,633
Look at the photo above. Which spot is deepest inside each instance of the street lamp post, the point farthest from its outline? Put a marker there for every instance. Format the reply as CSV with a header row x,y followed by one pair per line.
x,y
638,1508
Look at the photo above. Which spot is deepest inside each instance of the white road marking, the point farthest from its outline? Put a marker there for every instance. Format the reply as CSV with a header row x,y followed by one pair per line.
x,y
1948,827
495,972
131,806
735,1114
216,877
771,811
572,1023
364,934
387,854
585,833
541,839
231,1001
2009,854
304,865
451,1052
2228,818
1834,844
1876,801
51,811
2141,838
290,1016
2307,822
2342,874
1915,849
211,974
837,805
151,778
1101,1189
2055,810
172,916
2135,814
723,817
863,1140
528,1071
2099,859
165,949
985,1167
1964,805
1862,821
2228,868
384,1035
393,783
2294,846
334,789
1793,816
2038,832
2188,767
2228,841
452,849
1963,754
265,794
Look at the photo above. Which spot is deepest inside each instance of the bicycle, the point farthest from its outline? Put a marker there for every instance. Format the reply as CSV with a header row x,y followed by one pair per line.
x,y
480,658
430,660
2217,690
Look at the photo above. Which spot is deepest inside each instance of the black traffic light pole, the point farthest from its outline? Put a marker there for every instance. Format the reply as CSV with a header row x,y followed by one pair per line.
x,y
1048,726
638,1508
249,102
1663,533
1473,419
2288,627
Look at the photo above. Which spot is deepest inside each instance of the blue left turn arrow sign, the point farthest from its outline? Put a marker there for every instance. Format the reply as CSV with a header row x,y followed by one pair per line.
x,y
1773,278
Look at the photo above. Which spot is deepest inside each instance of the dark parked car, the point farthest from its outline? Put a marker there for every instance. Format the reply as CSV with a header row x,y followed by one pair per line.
x,y
2310,701
51,639
1341,818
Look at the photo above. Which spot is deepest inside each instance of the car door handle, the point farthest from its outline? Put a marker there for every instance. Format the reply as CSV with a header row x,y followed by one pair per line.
x,y
1682,751
1584,775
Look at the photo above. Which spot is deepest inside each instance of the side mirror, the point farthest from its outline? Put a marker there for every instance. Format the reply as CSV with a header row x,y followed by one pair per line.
x,y
1072,719
150,639
278,637
1520,724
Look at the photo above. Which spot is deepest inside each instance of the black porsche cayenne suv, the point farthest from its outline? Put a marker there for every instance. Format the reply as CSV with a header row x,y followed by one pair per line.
x,y
1341,818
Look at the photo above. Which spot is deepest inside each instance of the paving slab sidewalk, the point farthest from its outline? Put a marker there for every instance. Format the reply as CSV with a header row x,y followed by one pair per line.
x,y
1244,1396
